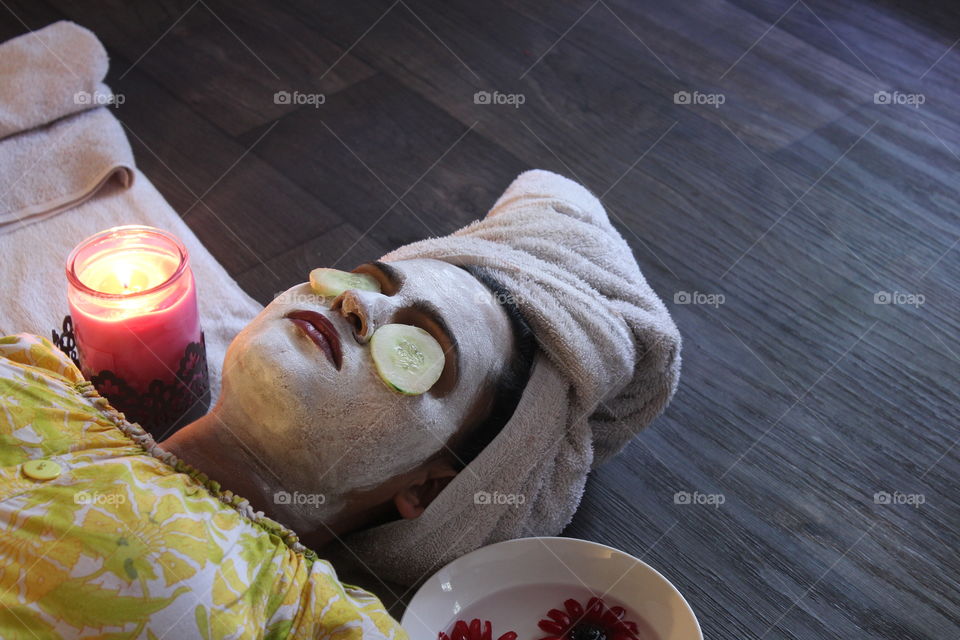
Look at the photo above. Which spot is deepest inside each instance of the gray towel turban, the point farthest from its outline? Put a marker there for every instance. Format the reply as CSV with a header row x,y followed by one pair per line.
x,y
607,364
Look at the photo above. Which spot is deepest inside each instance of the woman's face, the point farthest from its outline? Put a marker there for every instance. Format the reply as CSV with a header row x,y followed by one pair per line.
x,y
328,431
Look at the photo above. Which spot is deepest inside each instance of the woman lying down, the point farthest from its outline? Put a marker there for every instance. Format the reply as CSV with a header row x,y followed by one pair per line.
x,y
451,395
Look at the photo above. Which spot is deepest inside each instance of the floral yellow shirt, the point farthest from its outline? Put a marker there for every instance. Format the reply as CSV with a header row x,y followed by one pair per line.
x,y
104,535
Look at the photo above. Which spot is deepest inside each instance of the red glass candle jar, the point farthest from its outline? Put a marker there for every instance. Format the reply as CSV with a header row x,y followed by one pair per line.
x,y
133,302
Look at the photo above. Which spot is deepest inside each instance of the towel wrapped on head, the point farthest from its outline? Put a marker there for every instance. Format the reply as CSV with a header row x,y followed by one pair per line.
x,y
607,363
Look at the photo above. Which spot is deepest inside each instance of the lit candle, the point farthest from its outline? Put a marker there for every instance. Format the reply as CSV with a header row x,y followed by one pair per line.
x,y
133,302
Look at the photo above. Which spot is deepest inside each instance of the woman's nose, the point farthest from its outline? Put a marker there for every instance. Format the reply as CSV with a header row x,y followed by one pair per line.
x,y
366,311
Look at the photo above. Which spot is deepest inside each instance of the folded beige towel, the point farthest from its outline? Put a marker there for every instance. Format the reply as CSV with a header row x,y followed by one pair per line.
x,y
47,170
58,146
49,73
608,362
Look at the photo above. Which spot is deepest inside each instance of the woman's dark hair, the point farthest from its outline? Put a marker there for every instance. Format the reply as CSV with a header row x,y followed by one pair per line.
x,y
510,386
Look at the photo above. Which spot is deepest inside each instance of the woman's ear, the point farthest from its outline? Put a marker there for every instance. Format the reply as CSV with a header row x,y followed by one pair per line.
x,y
412,499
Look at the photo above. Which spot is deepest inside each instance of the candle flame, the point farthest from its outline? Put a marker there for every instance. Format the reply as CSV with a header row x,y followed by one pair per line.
x,y
123,275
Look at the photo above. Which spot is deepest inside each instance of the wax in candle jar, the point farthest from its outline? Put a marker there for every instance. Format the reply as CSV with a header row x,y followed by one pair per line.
x,y
129,271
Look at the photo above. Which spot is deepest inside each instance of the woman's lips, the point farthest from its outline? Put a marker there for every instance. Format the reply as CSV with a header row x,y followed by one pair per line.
x,y
319,329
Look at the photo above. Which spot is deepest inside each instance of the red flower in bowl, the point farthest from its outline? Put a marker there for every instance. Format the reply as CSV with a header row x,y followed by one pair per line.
x,y
596,621
474,630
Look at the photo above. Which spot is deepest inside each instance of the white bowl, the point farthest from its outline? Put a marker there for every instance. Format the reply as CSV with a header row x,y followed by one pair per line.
x,y
513,584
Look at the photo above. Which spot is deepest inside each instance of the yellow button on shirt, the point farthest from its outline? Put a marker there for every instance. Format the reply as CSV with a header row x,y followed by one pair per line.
x,y
41,469
99,538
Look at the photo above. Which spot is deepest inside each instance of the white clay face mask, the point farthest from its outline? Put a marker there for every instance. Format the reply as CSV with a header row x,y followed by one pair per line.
x,y
398,396
334,431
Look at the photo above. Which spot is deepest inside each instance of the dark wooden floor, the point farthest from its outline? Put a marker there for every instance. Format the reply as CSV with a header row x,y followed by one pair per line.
x,y
798,200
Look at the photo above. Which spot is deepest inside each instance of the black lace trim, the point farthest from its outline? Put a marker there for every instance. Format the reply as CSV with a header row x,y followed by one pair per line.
x,y
166,405
66,341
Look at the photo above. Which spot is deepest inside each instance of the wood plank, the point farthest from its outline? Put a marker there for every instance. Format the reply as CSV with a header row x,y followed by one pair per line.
x,y
249,211
344,245
376,142
223,59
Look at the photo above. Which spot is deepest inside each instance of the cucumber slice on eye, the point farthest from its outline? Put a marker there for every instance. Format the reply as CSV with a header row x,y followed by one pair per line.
x,y
330,283
408,359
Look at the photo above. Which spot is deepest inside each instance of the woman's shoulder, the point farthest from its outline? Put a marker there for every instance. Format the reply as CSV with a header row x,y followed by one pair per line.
x,y
43,413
